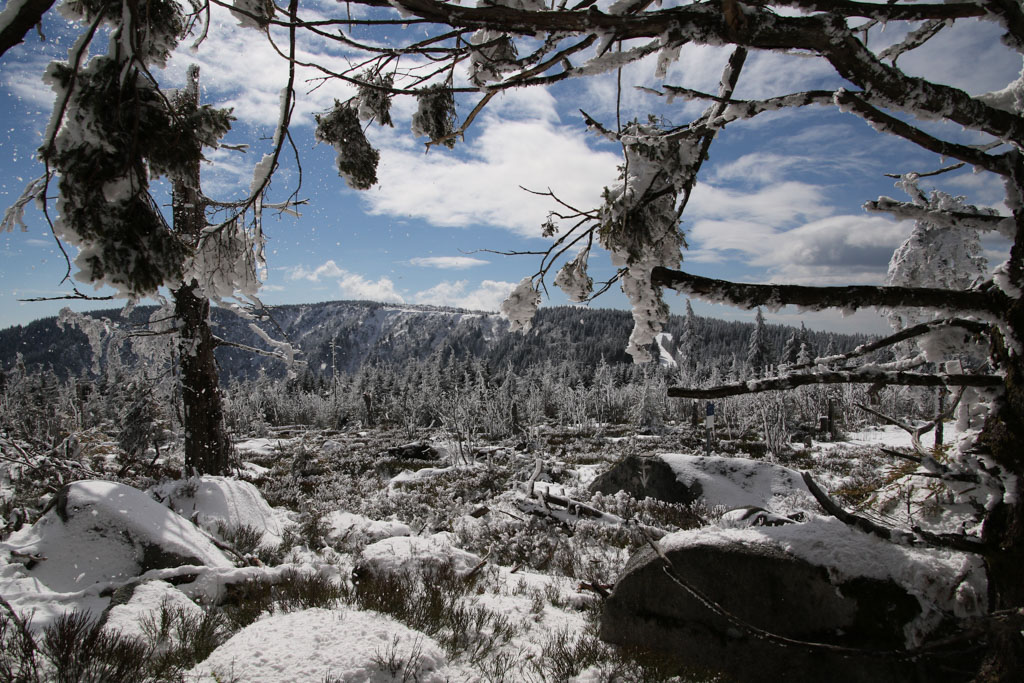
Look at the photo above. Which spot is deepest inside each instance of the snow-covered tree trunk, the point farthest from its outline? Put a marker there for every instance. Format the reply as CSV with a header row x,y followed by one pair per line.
x,y
1003,433
207,448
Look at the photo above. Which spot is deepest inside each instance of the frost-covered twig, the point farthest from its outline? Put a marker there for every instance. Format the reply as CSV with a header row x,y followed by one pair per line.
x,y
851,519
915,39
252,349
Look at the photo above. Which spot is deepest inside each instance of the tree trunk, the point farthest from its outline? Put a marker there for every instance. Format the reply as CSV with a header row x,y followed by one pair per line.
x,y
207,448
1003,434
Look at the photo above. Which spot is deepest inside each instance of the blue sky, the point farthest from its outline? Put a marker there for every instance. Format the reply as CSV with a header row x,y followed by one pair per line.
x,y
779,199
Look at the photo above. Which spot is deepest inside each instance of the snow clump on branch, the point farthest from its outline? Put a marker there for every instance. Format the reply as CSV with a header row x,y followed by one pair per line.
x,y
640,223
573,279
935,255
357,159
521,305
435,117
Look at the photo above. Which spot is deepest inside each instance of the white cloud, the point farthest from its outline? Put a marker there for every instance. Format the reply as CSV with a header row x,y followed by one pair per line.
x,y
844,249
353,286
487,296
955,57
327,270
240,69
448,262
350,285
774,205
481,186
24,79
757,167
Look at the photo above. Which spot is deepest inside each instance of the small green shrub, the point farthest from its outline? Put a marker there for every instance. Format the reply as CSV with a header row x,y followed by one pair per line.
x,y
82,651
182,638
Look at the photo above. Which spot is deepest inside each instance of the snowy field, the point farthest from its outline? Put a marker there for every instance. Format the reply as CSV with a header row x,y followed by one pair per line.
x,y
324,560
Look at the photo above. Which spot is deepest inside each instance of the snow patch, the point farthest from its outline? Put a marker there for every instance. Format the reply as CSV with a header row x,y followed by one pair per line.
x,y
146,601
215,503
319,644
409,553
346,526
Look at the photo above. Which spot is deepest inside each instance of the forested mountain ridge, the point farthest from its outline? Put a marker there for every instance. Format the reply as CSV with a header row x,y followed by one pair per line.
x,y
342,336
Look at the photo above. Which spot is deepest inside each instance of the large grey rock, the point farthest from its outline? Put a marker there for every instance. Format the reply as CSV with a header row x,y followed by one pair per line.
x,y
717,480
645,477
768,586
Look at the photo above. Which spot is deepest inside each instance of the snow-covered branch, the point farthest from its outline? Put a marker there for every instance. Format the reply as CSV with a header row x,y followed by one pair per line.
x,y
18,18
885,123
866,375
849,298
975,220
962,543
969,326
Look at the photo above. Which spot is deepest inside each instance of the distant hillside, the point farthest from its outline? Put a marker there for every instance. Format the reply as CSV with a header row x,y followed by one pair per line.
x,y
342,336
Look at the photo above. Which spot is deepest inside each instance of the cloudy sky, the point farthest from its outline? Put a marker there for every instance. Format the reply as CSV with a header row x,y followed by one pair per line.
x,y
778,201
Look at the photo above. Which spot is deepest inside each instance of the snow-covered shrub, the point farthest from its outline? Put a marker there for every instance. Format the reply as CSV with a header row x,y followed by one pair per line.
x,y
436,600
374,97
182,637
357,159
435,116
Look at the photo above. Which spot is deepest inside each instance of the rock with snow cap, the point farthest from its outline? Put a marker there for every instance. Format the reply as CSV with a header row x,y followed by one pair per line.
x,y
645,477
104,532
717,480
817,582
403,554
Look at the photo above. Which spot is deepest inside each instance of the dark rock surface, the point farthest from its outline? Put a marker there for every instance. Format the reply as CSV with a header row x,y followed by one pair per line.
x,y
771,590
645,477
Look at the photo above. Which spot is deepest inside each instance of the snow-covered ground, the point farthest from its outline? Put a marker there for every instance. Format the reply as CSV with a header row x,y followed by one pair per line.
x,y
531,586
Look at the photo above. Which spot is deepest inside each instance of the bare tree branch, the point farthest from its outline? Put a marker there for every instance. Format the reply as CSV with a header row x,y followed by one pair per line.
x,y
77,296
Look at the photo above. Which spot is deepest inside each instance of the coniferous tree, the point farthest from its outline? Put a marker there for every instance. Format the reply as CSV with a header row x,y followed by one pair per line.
x,y
758,358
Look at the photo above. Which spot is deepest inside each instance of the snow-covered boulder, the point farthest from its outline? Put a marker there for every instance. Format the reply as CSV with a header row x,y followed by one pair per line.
x,y
719,481
644,477
818,582
219,503
414,553
347,527
319,644
101,531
